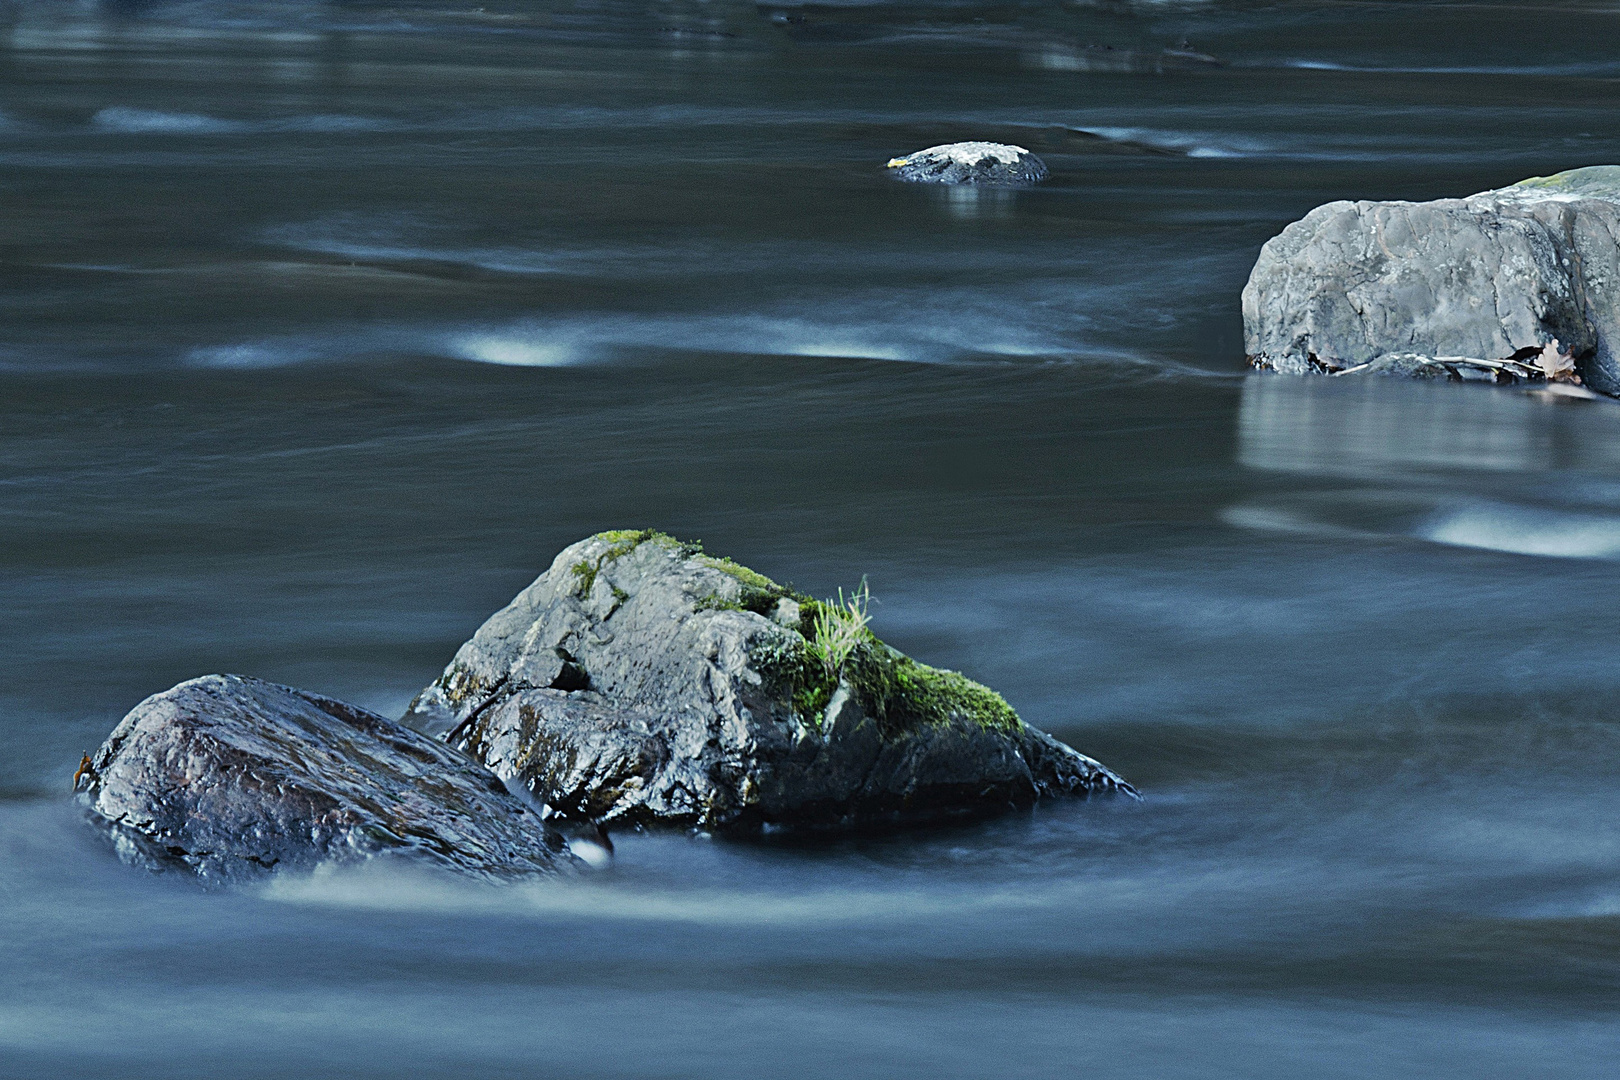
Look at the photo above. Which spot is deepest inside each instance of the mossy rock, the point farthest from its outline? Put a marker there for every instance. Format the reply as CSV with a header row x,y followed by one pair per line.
x,y
1593,182
642,680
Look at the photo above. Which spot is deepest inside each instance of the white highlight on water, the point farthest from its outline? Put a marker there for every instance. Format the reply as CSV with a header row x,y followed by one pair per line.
x,y
1528,531
512,351
126,120
590,853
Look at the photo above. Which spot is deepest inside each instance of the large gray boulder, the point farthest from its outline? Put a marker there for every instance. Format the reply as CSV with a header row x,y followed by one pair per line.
x,y
1517,284
231,777
980,163
640,681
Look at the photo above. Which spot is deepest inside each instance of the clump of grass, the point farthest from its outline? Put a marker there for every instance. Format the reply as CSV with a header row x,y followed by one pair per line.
x,y
840,626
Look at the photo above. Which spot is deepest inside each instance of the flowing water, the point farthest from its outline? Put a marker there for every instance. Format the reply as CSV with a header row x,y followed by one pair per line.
x,y
324,326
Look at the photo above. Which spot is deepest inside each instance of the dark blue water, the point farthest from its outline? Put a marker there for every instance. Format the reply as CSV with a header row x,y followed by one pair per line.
x,y
324,326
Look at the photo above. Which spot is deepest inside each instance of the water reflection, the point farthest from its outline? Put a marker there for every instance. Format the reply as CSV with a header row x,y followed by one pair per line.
x,y
1376,427
971,203
1498,469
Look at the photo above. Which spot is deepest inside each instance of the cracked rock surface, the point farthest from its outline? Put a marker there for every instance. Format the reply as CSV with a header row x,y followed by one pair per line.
x,y
231,777
640,681
1510,285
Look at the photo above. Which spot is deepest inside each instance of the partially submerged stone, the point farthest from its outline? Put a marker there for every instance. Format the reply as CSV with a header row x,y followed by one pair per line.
x,y
983,163
231,777
640,681
1520,284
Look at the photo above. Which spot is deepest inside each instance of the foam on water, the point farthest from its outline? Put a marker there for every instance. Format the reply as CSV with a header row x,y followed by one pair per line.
x,y
131,121
514,351
335,124
873,329
256,354
576,341
1288,520
912,326
1196,144
1488,525
386,886
1116,900
407,237
1525,530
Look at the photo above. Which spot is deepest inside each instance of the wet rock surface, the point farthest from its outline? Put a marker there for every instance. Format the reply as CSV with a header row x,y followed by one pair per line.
x,y
983,163
232,777
1520,284
641,681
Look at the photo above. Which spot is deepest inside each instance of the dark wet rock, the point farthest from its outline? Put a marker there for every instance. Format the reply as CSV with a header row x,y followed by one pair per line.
x,y
640,681
1521,284
231,777
982,163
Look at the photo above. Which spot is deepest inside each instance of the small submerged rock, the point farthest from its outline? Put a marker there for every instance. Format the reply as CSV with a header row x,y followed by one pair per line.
x,y
983,163
1519,284
231,777
641,681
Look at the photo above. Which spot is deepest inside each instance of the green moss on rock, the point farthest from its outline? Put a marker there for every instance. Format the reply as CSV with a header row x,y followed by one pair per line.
x,y
1595,181
938,694
904,694
756,592
750,579
622,542
897,691
891,687
790,667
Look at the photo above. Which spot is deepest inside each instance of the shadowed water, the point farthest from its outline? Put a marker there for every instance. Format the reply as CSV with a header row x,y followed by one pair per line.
x,y
324,326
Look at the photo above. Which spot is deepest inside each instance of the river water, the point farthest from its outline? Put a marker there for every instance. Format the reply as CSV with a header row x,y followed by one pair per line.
x,y
324,326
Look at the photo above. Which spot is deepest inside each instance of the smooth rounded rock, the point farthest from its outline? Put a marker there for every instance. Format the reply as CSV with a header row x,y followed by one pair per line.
x,y
641,681
982,163
1519,284
231,777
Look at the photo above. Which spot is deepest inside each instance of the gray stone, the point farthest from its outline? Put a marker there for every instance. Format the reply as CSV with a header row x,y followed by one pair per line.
x,y
231,777
640,681
1516,284
982,163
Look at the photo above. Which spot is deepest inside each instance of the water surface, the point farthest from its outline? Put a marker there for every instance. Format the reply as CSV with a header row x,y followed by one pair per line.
x,y
324,326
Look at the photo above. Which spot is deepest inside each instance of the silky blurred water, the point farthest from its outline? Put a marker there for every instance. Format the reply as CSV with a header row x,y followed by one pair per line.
x,y
324,326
